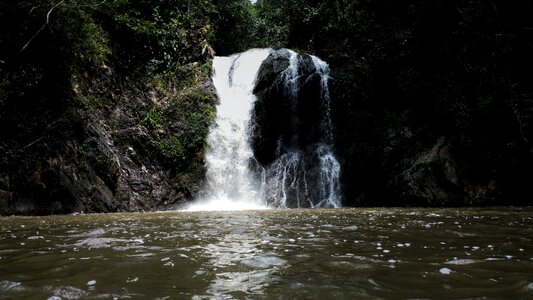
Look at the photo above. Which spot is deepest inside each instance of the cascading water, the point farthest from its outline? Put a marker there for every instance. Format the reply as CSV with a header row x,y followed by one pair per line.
x,y
322,69
288,176
231,182
298,176
329,177
287,179
290,78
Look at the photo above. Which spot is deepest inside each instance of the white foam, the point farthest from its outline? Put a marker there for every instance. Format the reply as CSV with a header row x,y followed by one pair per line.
x,y
132,280
462,261
351,227
225,205
6,285
264,262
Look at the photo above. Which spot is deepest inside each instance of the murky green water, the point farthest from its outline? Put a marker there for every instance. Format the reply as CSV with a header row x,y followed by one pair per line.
x,y
287,254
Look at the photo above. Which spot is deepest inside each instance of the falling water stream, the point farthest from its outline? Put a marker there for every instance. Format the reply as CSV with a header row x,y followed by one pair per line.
x,y
231,183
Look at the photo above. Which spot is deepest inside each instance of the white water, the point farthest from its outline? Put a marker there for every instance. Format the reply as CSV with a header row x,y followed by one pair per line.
x,y
230,182
329,178
291,76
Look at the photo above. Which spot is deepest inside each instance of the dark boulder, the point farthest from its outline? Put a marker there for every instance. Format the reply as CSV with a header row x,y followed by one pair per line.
x,y
289,130
281,120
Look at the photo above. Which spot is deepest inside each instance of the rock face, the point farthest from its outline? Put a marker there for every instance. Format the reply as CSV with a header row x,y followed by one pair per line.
x,y
279,118
387,161
137,150
431,178
434,179
387,164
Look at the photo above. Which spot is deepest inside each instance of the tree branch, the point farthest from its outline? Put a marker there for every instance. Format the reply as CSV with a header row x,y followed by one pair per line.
x,y
32,9
51,9
42,27
93,6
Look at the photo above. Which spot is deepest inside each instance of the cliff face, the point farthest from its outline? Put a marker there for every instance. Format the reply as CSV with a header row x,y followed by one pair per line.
x,y
409,78
399,153
136,148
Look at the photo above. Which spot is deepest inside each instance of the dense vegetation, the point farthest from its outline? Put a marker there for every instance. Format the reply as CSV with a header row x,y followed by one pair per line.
x,y
407,76
90,90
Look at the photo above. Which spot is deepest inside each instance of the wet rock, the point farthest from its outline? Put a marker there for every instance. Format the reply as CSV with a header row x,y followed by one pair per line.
x,y
272,66
279,120
289,130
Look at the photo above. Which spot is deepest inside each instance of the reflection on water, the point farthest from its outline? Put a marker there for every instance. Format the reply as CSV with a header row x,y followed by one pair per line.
x,y
337,253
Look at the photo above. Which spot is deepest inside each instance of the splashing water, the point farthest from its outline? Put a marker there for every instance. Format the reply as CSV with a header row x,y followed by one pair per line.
x,y
329,178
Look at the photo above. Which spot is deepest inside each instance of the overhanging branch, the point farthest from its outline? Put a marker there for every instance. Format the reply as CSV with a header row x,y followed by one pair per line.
x,y
42,27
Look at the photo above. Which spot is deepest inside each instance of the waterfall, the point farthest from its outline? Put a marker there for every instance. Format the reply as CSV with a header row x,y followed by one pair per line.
x,y
289,177
301,175
234,178
322,69
329,177
290,78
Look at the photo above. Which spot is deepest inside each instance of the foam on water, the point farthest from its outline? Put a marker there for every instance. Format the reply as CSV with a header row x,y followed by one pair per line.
x,y
225,205
264,262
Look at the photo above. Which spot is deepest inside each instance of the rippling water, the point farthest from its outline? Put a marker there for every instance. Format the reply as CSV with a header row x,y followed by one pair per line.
x,y
311,254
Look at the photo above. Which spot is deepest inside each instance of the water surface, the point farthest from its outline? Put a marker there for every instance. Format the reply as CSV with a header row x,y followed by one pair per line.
x,y
311,254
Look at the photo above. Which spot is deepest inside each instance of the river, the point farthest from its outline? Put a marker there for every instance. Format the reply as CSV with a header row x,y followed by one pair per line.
x,y
264,254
